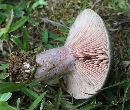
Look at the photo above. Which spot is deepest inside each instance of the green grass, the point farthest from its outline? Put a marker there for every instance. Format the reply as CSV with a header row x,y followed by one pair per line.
x,y
23,29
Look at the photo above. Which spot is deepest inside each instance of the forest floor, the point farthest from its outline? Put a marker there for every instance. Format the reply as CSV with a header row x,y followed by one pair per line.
x,y
28,27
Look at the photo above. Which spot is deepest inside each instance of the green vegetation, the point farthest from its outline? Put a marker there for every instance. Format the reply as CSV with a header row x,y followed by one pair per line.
x,y
35,25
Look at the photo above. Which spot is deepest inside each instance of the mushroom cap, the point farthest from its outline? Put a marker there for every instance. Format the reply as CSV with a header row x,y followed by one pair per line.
x,y
88,40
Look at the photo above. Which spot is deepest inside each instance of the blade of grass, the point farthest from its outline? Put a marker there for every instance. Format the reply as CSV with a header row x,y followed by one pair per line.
x,y
44,36
4,66
18,24
4,75
68,105
117,84
6,6
125,96
39,2
49,106
5,106
61,39
91,106
25,39
10,86
5,96
49,46
10,19
56,37
17,41
29,93
58,99
2,31
37,101
18,102
2,18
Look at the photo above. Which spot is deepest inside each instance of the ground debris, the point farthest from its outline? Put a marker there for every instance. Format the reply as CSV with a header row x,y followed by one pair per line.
x,y
21,66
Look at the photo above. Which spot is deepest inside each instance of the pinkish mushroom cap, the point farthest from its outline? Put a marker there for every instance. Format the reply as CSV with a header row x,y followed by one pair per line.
x,y
85,57
89,41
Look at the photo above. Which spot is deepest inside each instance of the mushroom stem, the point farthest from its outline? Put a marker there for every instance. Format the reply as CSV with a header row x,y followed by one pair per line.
x,y
53,62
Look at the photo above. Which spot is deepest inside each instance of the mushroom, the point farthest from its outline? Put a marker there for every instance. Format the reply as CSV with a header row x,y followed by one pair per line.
x,y
84,59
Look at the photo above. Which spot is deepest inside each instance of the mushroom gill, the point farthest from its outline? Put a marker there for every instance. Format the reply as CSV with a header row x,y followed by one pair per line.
x,y
85,56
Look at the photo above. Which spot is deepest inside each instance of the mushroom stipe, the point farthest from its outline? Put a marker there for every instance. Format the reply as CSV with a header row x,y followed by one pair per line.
x,y
84,59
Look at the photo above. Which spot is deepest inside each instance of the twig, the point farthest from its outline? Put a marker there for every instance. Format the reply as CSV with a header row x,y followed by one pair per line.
x,y
46,20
